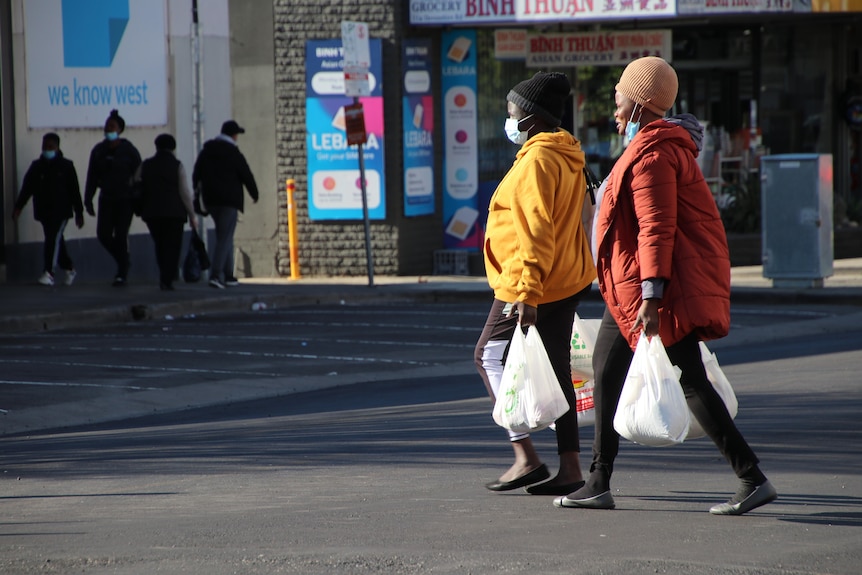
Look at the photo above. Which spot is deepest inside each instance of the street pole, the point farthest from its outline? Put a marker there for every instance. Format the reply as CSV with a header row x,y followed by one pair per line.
x,y
197,101
369,262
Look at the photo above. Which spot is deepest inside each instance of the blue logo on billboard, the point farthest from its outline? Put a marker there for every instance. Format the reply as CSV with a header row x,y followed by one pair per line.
x,y
92,30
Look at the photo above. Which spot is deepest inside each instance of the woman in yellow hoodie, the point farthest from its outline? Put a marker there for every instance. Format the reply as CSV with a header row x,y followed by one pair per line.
x,y
538,262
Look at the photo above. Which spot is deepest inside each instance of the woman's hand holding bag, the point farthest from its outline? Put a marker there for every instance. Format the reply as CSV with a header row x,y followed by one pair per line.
x,y
652,409
529,397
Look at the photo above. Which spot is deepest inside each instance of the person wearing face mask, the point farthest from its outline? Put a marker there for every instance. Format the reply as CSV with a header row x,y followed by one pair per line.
x,y
113,163
52,182
663,269
538,263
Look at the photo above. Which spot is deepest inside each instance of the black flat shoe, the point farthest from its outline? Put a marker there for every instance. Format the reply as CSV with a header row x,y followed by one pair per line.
x,y
762,494
550,488
535,476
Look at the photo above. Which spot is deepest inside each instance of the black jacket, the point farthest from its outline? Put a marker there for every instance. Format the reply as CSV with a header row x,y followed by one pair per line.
x,y
222,171
112,170
160,188
53,185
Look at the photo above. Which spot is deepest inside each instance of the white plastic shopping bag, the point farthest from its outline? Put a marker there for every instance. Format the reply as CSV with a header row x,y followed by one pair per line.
x,y
529,397
584,332
722,386
652,409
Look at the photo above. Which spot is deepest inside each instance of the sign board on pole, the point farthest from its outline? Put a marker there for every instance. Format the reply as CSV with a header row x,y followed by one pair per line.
x,y
354,122
354,39
357,59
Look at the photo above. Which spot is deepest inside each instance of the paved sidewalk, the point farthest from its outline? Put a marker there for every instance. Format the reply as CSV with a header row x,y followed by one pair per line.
x,y
32,307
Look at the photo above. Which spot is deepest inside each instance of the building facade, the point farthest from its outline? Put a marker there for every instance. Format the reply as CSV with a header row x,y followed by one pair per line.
x,y
764,76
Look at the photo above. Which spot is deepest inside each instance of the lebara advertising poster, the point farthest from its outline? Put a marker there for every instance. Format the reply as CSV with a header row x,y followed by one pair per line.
x,y
86,57
334,183
461,138
418,122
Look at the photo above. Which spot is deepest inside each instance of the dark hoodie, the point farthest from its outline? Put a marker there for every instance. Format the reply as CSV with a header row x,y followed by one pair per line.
x,y
53,185
112,170
220,172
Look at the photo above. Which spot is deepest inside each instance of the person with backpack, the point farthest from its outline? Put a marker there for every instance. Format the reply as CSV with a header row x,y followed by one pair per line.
x,y
538,262
165,204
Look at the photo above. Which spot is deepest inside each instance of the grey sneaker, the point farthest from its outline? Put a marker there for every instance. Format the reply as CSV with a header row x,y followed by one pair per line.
x,y
46,279
216,283
70,277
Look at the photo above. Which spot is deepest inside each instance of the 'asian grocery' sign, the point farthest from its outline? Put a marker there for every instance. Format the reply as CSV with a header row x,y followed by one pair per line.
x,y
477,12
596,48
334,183
86,57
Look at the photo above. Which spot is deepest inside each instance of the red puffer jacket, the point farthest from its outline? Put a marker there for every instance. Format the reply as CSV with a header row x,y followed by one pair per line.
x,y
658,219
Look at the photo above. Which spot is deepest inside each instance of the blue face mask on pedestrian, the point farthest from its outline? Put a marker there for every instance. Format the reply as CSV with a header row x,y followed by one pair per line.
x,y
632,127
49,154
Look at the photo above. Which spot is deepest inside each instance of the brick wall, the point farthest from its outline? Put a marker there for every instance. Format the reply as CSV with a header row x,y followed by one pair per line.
x,y
335,248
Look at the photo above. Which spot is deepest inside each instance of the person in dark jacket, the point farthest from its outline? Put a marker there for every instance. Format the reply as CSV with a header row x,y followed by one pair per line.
x,y
113,163
219,175
52,182
165,205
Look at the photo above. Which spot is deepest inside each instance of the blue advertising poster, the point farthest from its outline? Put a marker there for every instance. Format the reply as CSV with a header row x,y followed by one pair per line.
x,y
418,106
460,140
334,184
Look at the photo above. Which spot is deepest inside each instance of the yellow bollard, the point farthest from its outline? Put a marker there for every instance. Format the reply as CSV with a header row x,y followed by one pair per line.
x,y
291,231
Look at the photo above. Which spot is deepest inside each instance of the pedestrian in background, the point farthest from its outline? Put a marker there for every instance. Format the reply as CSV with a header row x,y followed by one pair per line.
x,y
52,182
165,204
218,177
113,163
538,263
664,268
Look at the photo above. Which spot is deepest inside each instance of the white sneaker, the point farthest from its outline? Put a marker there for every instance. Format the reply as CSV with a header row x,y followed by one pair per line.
x,y
70,277
216,283
46,279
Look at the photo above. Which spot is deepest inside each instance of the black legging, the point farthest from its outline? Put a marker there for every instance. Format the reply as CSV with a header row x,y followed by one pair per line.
x,y
167,234
554,322
112,229
611,359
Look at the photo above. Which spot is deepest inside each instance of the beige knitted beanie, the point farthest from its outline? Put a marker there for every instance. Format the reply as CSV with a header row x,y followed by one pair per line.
x,y
650,82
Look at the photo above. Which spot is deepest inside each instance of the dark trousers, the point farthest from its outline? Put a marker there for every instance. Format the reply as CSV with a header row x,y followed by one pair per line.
x,y
611,359
224,219
554,323
112,229
55,246
167,234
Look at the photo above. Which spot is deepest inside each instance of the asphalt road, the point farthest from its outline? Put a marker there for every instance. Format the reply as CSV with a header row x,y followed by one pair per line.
x,y
378,467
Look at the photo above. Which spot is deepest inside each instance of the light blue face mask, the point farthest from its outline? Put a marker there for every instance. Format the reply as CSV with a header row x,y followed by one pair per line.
x,y
49,154
515,135
111,136
632,127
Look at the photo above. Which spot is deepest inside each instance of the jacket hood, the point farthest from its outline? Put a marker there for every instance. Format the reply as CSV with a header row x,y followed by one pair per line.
x,y
220,148
560,142
664,131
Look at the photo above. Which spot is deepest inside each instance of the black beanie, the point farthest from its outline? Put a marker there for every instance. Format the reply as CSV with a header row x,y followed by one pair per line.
x,y
544,94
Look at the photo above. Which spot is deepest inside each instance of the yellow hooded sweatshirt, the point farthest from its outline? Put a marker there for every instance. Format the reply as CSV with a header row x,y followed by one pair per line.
x,y
536,248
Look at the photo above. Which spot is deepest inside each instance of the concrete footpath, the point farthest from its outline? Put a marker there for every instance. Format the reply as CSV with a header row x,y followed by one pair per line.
x,y
30,307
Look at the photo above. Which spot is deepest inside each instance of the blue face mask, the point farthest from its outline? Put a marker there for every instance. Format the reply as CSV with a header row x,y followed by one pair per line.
x,y
49,154
111,136
632,127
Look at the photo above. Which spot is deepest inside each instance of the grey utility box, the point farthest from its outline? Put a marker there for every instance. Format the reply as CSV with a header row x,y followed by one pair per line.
x,y
796,196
